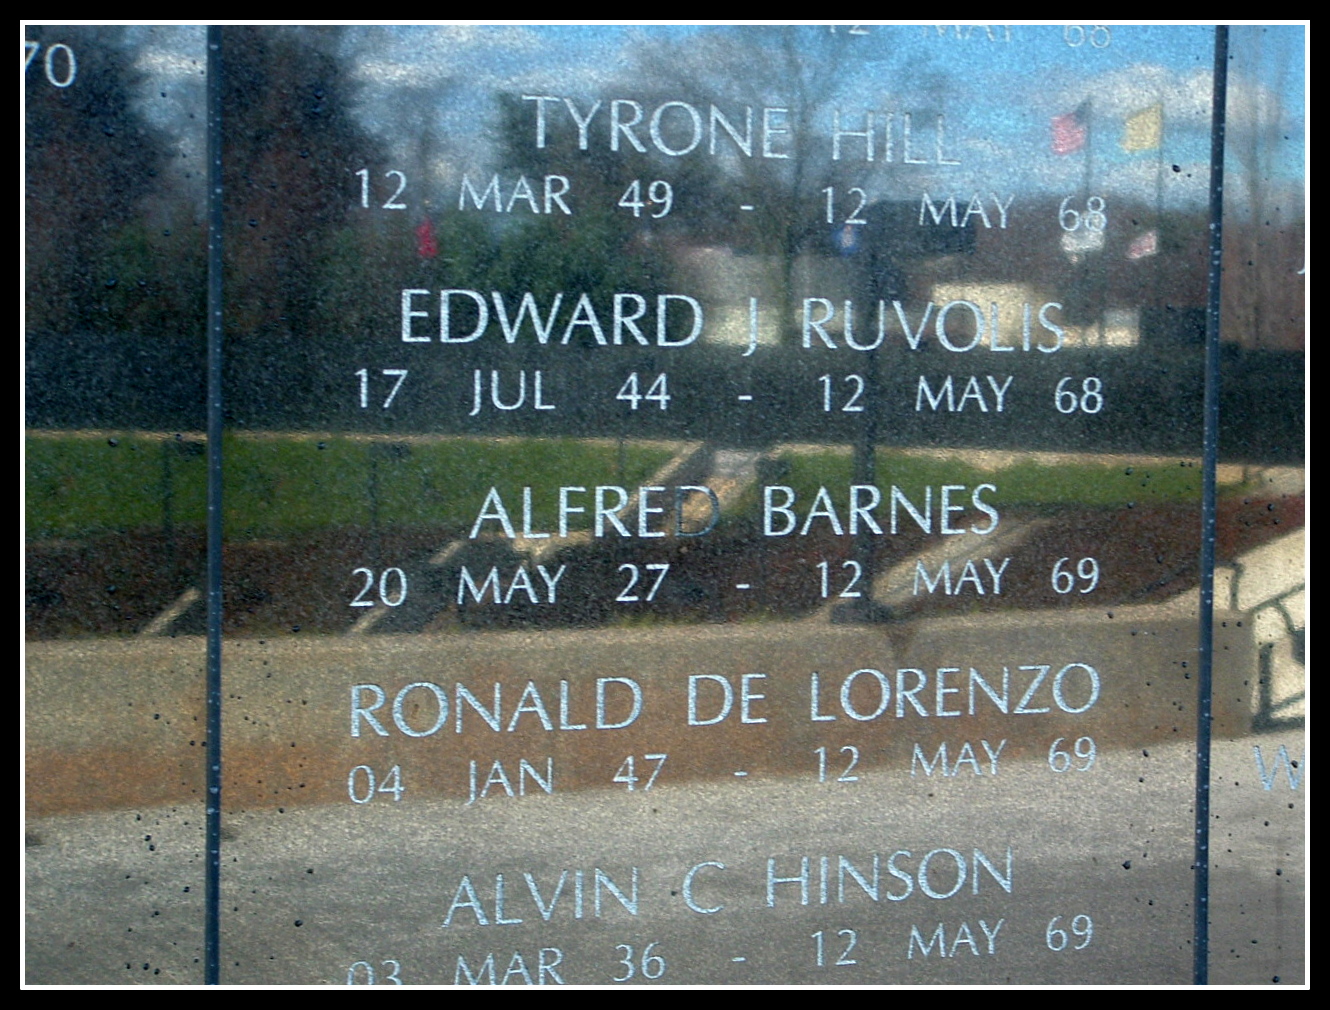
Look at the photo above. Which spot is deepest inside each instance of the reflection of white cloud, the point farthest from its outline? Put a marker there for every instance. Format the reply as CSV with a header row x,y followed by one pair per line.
x,y
390,73
168,64
1251,103
575,80
1124,92
448,177
430,93
458,38
425,56
1144,179
1141,179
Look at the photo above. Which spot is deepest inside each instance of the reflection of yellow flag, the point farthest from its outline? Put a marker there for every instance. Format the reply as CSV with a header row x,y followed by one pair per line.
x,y
1144,130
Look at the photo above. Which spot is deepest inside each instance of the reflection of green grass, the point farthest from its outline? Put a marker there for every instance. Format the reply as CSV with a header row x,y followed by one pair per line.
x,y
1101,486
1025,483
77,485
283,484
280,485
910,473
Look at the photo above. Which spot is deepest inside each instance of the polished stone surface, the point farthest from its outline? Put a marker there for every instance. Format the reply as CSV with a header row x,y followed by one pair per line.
x,y
701,505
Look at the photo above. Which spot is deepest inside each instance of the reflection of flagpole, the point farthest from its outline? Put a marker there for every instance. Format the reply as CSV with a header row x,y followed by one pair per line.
x,y
1070,130
1088,116
1159,205
1143,130
1072,134
1097,277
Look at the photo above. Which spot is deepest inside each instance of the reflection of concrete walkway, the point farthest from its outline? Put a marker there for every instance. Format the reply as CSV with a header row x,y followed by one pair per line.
x,y
688,462
1258,860
727,474
377,882
114,727
99,712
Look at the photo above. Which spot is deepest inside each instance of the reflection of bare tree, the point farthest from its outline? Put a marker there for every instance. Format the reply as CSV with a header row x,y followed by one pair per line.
x,y
291,146
791,69
114,250
401,105
90,160
1264,288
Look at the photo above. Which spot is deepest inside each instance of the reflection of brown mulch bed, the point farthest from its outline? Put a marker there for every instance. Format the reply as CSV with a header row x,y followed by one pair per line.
x,y
116,584
1244,523
307,584
108,585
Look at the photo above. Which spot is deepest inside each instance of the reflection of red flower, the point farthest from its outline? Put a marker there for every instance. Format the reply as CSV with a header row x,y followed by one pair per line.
x,y
1143,245
1070,130
426,245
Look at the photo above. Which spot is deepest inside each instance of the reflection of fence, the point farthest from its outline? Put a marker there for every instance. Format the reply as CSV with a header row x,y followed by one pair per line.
x,y
1268,586
114,519
276,484
115,540
81,482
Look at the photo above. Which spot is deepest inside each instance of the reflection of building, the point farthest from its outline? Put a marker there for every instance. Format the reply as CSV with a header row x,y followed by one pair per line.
x,y
728,280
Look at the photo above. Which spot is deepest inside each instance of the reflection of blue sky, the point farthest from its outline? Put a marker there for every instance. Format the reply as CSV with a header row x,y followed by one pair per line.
x,y
999,97
172,63
164,65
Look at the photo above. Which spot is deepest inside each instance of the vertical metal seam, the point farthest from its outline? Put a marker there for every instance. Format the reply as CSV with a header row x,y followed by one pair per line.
x,y
1205,649
212,878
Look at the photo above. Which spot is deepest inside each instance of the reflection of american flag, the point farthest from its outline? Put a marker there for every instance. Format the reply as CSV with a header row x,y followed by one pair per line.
x,y
1143,245
1071,129
846,239
426,245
